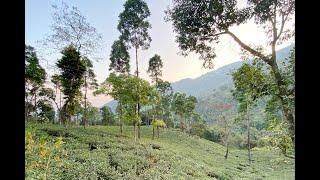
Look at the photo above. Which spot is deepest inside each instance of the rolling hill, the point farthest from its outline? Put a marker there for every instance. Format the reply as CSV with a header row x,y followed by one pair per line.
x,y
216,78
206,85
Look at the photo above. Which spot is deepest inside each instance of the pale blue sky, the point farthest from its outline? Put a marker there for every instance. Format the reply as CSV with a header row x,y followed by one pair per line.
x,y
103,15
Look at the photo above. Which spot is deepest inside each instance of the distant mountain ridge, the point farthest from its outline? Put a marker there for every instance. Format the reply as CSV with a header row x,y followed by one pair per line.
x,y
214,79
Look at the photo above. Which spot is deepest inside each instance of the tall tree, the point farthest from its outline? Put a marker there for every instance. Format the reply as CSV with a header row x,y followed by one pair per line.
x,y
183,106
93,114
47,96
116,88
70,27
72,72
155,65
225,122
120,59
155,68
199,23
107,116
89,83
133,27
47,112
130,90
178,107
247,92
56,80
189,106
35,77
166,92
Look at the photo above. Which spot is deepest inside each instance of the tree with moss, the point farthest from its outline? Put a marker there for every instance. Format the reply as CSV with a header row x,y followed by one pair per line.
x,y
72,70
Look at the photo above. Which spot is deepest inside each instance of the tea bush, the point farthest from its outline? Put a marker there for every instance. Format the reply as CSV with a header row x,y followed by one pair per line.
x,y
180,156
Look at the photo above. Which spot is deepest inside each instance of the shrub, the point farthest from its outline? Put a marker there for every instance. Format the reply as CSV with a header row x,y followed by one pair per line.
x,y
42,155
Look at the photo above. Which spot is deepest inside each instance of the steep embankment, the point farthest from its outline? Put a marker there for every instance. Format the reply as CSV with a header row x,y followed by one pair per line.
x,y
99,152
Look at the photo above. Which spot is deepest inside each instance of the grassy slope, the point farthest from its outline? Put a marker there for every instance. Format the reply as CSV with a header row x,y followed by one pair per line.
x,y
180,157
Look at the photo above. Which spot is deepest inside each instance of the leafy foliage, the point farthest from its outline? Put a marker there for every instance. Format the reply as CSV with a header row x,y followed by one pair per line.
x,y
43,156
155,65
72,72
119,57
34,73
108,117
158,123
198,23
133,25
35,76
183,106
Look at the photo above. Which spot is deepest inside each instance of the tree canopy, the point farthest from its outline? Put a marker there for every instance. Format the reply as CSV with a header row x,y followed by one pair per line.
x,y
133,25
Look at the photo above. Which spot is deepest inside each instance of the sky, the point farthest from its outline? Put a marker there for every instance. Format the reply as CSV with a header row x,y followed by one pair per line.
x,y
103,15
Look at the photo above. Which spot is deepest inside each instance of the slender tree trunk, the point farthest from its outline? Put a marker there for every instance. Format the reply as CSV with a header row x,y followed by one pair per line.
x,y
134,131
138,77
139,129
60,114
226,140
26,112
120,122
248,129
55,101
138,122
227,152
63,115
152,132
137,67
181,123
35,103
158,130
85,102
77,118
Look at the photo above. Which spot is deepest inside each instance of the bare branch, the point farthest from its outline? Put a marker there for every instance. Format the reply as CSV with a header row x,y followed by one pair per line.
x,y
283,20
246,47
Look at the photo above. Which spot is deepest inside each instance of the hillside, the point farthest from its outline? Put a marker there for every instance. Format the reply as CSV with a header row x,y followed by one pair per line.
x,y
203,86
99,152
216,78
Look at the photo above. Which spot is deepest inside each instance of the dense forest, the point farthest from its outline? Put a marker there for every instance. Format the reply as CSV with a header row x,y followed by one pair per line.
x,y
239,124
